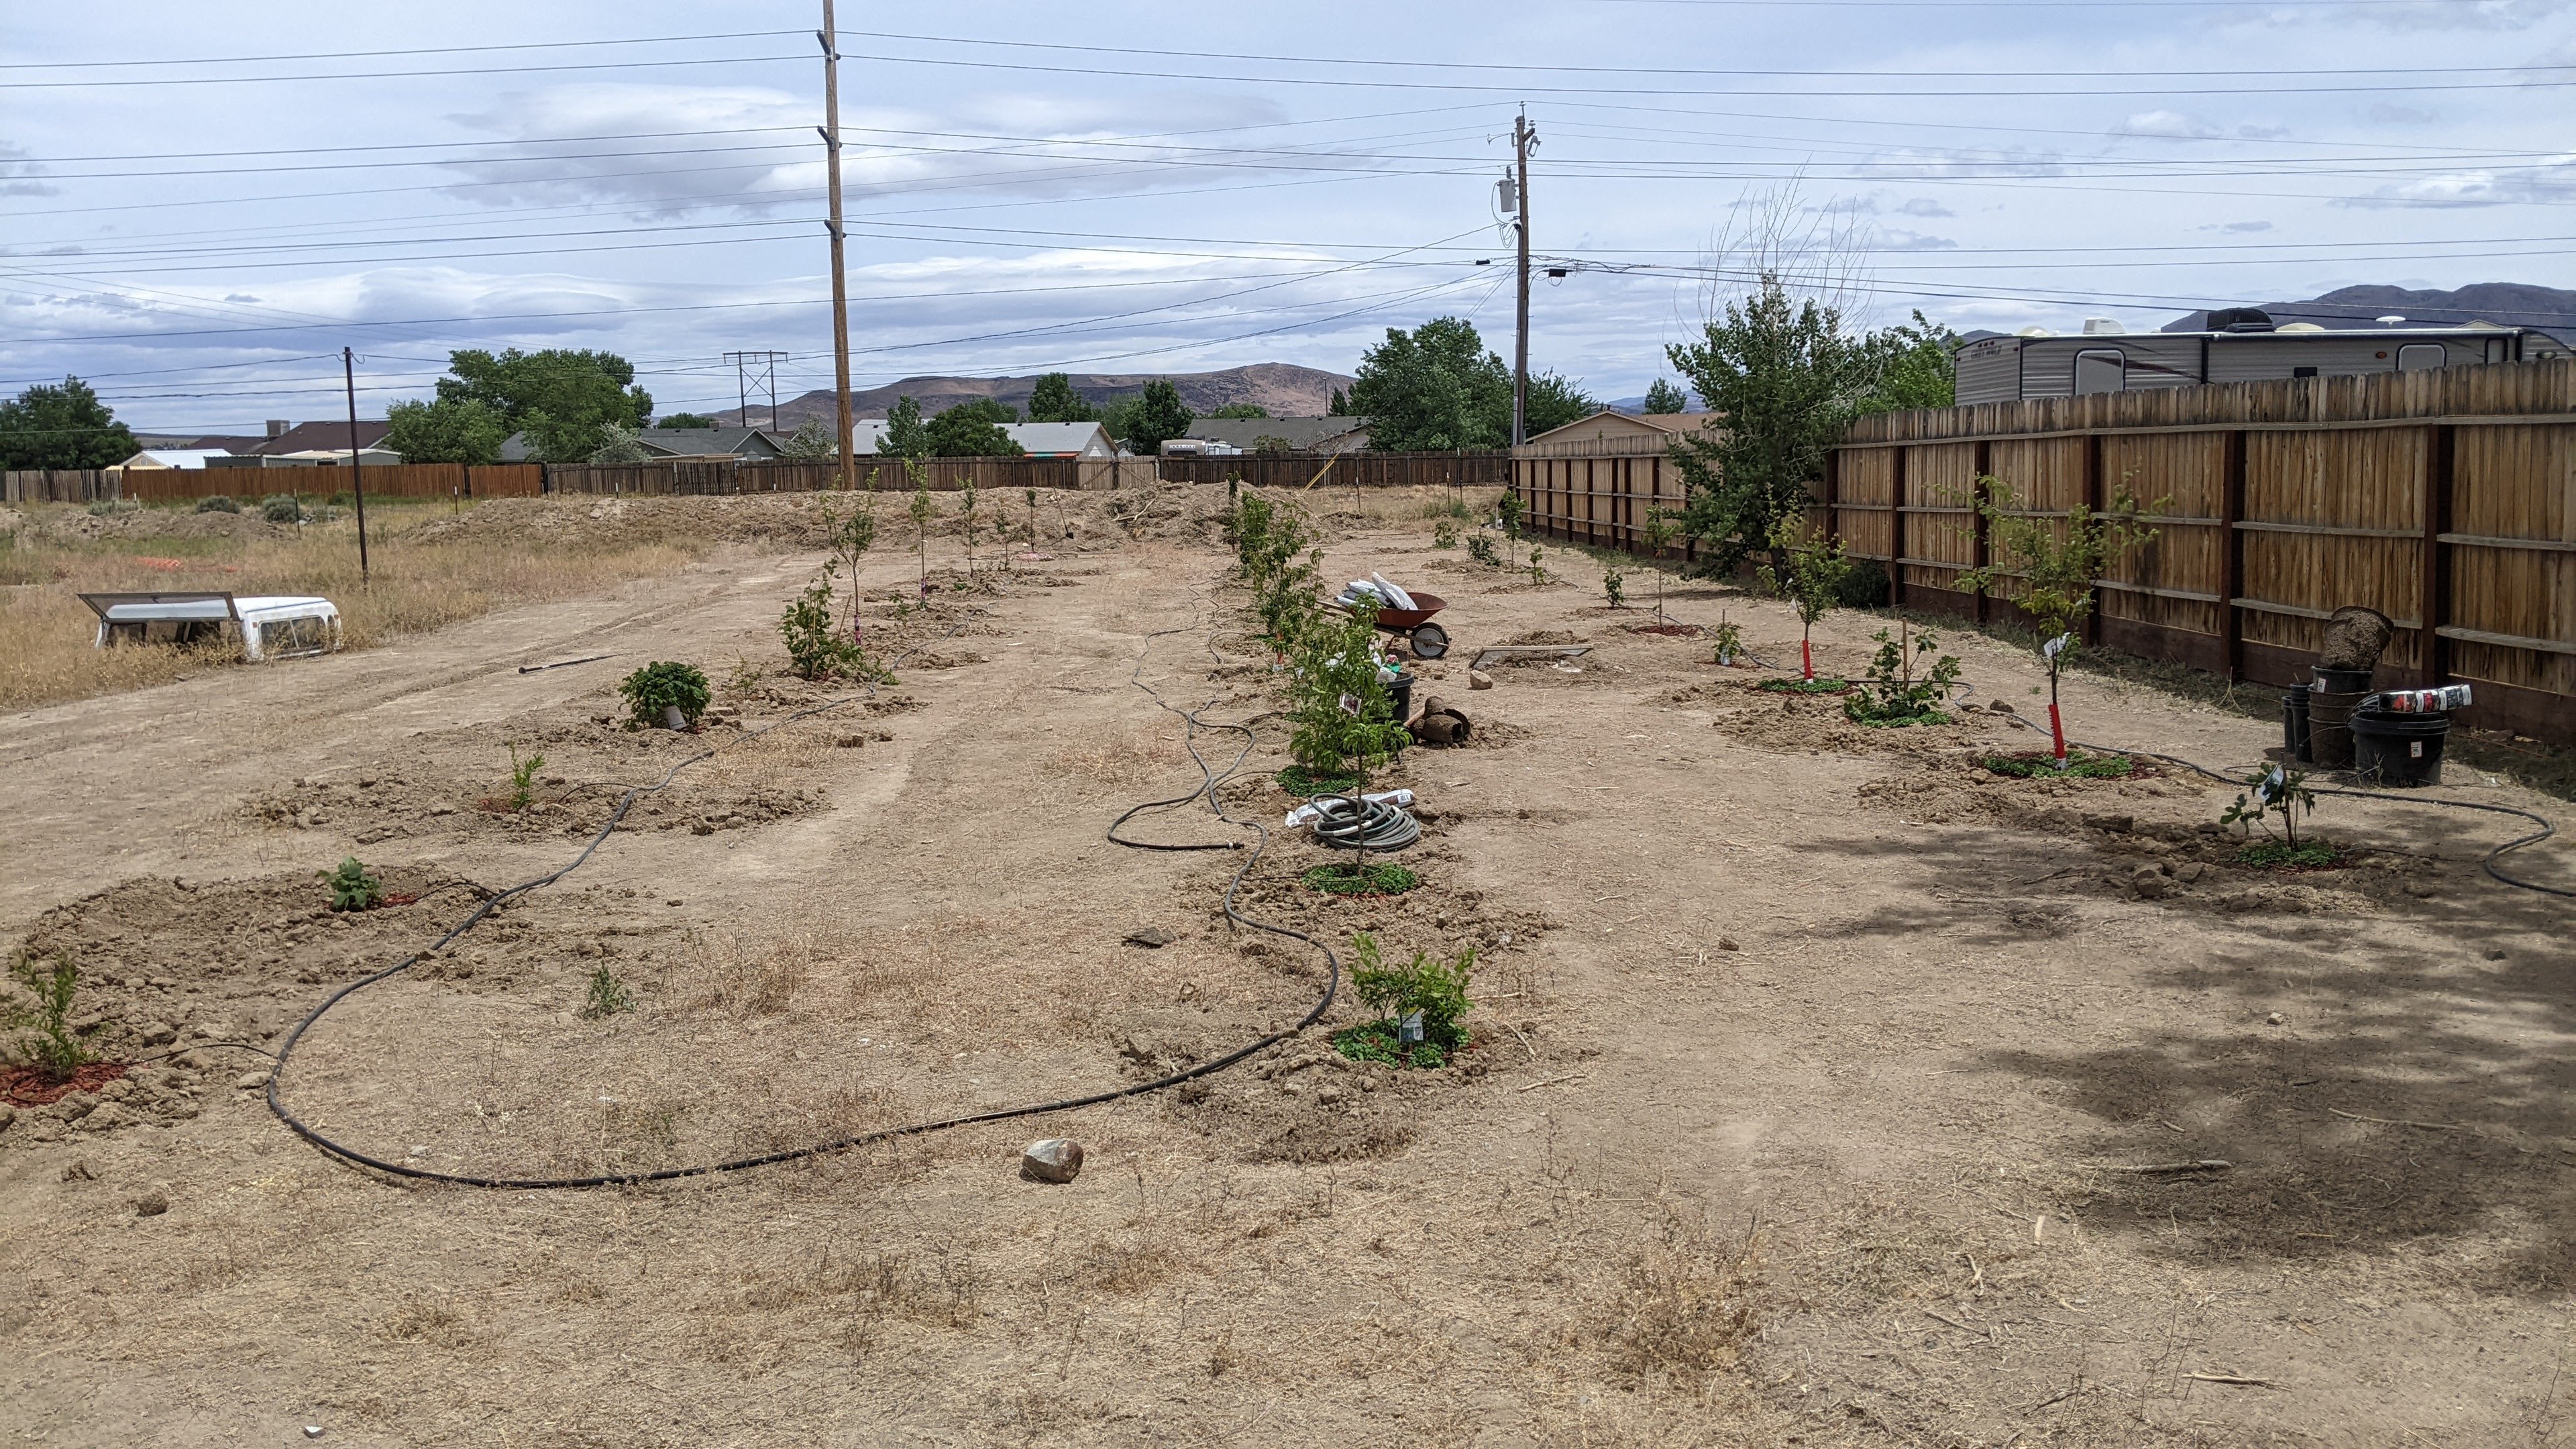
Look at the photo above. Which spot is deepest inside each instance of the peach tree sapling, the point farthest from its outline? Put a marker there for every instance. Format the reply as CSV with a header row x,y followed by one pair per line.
x,y
1816,570
2057,569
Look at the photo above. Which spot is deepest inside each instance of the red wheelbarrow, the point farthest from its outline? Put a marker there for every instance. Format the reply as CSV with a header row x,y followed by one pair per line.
x,y
1429,640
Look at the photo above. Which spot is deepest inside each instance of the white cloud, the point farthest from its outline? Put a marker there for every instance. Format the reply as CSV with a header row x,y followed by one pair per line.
x,y
16,174
2239,228
1924,206
2552,182
2166,123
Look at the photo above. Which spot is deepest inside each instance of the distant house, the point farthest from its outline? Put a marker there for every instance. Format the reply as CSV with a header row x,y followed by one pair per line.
x,y
1215,436
169,458
1609,426
749,445
302,445
1037,440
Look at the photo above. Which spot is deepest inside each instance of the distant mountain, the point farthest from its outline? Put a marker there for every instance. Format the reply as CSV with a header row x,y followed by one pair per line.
x,y
2507,304
1283,389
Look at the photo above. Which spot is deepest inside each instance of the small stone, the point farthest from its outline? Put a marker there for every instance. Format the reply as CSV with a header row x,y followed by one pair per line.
x,y
2190,873
851,742
2422,890
1328,1096
2115,824
134,983
1479,679
79,1172
151,1205
1052,1159
2275,1019
157,1033
1727,943
312,1431
78,1105
673,901
2149,883
251,1081
1152,938
2495,955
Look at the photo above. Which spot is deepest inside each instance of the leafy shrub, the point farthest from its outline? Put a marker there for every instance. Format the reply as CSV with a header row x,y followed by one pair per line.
x,y
661,684
281,508
1864,586
1481,548
353,886
814,649
1444,534
1892,696
1343,717
217,504
1435,989
1508,513
608,996
1730,642
1807,569
51,1047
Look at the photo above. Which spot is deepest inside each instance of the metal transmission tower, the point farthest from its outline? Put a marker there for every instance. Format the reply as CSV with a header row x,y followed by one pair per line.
x,y
756,370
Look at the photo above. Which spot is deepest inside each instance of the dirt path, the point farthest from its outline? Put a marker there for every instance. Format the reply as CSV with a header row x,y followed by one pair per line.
x,y
1808,1062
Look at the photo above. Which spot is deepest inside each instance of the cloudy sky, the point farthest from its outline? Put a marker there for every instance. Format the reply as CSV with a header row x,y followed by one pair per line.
x,y
200,205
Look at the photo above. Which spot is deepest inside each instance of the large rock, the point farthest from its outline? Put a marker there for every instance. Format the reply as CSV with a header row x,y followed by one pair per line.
x,y
1052,1159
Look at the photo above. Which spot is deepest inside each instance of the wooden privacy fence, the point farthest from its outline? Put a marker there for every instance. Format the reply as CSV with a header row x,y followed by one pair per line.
x,y
56,485
382,480
1484,468
1599,492
724,476
2444,499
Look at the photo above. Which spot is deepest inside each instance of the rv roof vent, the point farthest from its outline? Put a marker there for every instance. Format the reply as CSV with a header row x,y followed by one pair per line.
x,y
2239,319
2103,327
2391,320
2034,332
2298,327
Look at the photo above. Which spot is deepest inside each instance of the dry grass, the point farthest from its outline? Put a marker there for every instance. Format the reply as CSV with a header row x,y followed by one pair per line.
x,y
1687,1302
46,633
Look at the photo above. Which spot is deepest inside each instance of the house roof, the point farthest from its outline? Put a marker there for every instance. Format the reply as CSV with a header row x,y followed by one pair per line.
x,y
1061,439
172,458
711,442
1297,433
307,438
1609,423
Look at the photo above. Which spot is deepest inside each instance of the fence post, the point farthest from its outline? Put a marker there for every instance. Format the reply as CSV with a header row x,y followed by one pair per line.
x,y
2433,588
2231,558
1896,528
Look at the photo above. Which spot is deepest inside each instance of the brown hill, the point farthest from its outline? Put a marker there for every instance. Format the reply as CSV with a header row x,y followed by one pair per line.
x,y
1283,389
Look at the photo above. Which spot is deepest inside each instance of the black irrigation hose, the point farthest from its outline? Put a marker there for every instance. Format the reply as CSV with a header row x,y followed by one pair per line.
x,y
2486,863
1209,781
1381,824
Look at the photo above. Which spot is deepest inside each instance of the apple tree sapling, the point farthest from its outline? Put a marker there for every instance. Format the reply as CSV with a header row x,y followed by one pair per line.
x,y
2056,567
1813,581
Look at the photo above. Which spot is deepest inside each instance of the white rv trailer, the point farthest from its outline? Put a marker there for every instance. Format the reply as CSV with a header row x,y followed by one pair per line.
x,y
268,626
2003,369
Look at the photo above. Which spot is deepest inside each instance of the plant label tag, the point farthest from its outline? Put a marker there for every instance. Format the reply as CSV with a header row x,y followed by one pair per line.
x,y
2414,749
1351,705
2270,789
2056,646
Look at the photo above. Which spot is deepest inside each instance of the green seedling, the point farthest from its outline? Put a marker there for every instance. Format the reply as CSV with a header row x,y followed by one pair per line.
x,y
1614,586
1444,534
1810,575
52,1047
1480,547
2277,793
353,887
608,996
1424,993
664,684
1892,694
523,778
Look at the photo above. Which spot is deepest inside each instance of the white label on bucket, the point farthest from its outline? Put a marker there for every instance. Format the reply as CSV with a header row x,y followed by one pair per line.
x,y
2414,749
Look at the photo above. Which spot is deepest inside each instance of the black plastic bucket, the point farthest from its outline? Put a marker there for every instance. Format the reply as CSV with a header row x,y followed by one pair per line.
x,y
2341,681
2294,725
2329,727
2395,750
1400,690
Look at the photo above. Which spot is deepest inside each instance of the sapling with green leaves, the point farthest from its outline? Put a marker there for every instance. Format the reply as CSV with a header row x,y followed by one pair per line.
x,y
1343,718
920,511
1480,547
1444,534
353,887
51,1045
2057,567
1538,570
1730,642
523,778
1508,513
665,685
1817,567
1614,586
1031,495
1893,693
967,520
849,536
2277,792
608,996
1660,531
1426,991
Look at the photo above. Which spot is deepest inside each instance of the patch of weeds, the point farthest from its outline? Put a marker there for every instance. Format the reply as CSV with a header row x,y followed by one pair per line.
x,y
1423,1000
1686,1305
353,886
281,508
523,778
1299,781
2082,764
1343,878
51,1046
218,503
664,684
608,996
2282,855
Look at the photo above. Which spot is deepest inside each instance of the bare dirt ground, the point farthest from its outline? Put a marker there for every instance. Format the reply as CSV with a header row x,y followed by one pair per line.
x,y
1812,1062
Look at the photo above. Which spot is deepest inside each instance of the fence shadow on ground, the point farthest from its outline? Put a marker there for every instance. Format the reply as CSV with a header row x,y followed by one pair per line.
x,y
2459,1056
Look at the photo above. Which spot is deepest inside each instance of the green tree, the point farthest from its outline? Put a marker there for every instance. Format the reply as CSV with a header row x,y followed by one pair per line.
x,y
1553,402
1664,398
1157,416
62,426
564,400
1339,407
1436,387
812,442
619,445
1918,367
905,435
687,420
1789,379
445,431
1241,412
1055,401
973,430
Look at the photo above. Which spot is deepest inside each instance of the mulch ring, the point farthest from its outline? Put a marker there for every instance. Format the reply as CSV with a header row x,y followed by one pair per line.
x,y
1669,631
29,1087
2080,765
1777,685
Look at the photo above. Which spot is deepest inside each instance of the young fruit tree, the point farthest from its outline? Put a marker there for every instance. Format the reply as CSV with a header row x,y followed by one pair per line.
x,y
1812,581
1660,531
2055,568
1343,717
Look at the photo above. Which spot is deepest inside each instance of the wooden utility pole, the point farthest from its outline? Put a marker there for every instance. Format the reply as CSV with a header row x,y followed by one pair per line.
x,y
830,36
357,483
1522,139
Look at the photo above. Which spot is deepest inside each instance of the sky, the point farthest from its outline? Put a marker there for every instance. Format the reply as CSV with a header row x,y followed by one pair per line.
x,y
200,206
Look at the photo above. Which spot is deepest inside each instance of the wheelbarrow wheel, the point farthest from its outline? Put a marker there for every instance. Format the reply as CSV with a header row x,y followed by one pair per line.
x,y
1430,641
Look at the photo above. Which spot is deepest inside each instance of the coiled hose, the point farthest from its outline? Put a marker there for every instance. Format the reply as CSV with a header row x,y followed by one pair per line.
x,y
1346,822
1209,780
